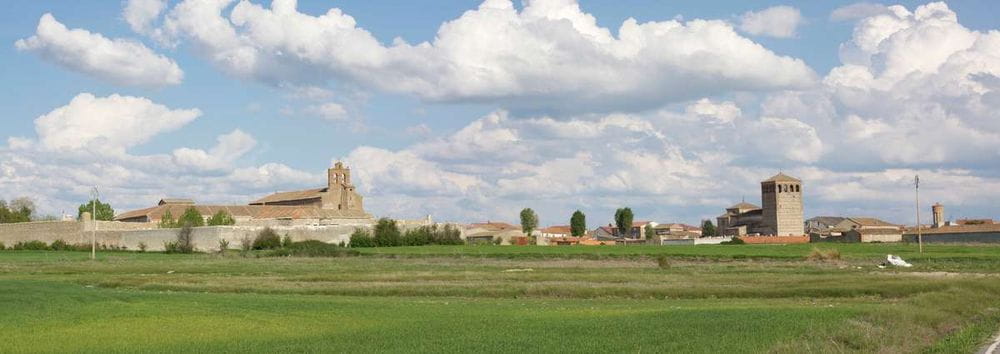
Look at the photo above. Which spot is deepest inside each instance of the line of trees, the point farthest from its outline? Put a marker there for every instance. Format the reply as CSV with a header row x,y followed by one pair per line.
x,y
192,218
386,233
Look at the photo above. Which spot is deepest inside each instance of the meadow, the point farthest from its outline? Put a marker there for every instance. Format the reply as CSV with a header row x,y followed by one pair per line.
x,y
706,298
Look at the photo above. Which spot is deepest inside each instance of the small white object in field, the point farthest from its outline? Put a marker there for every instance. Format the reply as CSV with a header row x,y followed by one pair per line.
x,y
520,270
896,261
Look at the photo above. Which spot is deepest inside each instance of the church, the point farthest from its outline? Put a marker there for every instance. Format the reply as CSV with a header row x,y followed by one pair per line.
x,y
780,214
337,203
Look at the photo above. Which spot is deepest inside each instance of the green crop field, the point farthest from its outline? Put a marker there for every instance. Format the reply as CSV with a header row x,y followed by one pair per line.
x,y
747,298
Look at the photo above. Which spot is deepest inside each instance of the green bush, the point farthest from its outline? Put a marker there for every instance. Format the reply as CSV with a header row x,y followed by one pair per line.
x,y
223,245
221,218
387,233
417,237
142,247
31,246
2,247
191,217
361,238
60,245
286,241
167,221
734,241
267,239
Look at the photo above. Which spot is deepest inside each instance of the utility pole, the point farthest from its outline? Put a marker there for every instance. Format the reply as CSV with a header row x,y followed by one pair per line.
x,y
93,218
916,185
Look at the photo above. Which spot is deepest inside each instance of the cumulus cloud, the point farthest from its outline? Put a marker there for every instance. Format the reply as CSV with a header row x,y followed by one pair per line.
x,y
109,124
910,89
778,21
119,61
550,55
85,142
229,148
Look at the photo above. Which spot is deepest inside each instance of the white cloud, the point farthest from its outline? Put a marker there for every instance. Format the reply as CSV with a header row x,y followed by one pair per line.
x,y
329,111
550,55
119,61
720,113
140,14
108,124
778,21
84,143
858,11
229,148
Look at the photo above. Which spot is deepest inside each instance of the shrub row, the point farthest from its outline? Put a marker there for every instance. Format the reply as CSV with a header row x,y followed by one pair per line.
x,y
386,234
57,245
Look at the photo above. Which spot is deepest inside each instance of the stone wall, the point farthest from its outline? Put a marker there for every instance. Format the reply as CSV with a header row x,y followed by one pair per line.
x,y
46,231
130,235
774,239
965,237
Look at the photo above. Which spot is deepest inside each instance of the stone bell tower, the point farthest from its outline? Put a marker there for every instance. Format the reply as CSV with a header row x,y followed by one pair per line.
x,y
781,201
340,193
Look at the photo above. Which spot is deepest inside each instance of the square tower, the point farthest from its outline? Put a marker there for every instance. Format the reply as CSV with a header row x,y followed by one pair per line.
x,y
781,200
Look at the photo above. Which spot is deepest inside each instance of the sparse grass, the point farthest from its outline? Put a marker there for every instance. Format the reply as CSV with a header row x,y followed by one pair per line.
x,y
751,298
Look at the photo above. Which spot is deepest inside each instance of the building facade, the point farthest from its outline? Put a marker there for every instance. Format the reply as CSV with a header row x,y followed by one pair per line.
x,y
338,203
780,214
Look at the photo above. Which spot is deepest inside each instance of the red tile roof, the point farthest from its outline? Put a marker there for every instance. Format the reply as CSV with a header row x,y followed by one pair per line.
x,y
290,196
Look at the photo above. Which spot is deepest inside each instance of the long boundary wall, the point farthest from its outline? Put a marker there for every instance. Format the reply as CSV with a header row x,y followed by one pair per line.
x,y
130,235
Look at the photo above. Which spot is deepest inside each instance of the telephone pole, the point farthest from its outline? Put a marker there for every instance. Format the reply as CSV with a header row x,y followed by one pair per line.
x,y
93,218
916,185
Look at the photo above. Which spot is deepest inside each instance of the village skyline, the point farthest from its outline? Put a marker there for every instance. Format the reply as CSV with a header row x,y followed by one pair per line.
x,y
230,119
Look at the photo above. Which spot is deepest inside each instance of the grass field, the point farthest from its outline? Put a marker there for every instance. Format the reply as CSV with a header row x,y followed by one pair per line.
x,y
751,298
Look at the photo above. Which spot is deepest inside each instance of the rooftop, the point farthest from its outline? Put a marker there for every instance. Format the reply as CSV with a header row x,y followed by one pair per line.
x,y
290,196
781,177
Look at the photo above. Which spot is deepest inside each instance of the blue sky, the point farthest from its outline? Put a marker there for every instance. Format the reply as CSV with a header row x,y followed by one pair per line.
x,y
678,129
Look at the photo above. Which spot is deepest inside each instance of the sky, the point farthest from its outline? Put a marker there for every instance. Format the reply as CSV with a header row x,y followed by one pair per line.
x,y
470,111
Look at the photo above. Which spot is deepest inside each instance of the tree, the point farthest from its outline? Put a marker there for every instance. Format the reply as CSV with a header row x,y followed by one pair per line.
x,y
623,219
578,224
529,221
18,211
708,229
167,220
650,233
221,218
191,217
387,233
104,210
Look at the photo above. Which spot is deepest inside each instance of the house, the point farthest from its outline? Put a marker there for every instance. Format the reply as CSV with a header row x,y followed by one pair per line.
x,y
676,231
610,232
490,232
853,229
823,224
874,235
556,231
974,233
864,223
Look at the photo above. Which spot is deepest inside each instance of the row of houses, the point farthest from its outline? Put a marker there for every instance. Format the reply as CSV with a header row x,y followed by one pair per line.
x,y
491,232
